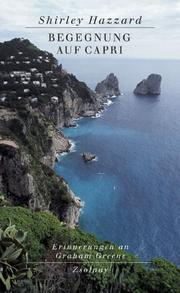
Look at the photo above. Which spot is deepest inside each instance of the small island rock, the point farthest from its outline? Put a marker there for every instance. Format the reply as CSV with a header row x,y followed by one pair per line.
x,y
149,86
88,157
109,86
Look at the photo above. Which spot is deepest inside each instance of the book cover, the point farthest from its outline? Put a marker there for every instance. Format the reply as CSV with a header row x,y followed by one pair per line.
x,y
89,146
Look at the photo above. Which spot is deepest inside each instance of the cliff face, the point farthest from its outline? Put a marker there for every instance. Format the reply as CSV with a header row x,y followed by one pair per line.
x,y
36,97
149,86
108,87
32,130
28,146
76,100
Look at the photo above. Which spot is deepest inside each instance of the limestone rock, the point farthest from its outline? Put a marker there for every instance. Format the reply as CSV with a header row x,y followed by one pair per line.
x,y
28,146
149,86
109,86
88,157
72,213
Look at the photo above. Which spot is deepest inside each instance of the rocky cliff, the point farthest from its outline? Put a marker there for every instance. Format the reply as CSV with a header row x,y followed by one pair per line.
x,y
28,146
108,87
34,76
36,98
149,86
75,100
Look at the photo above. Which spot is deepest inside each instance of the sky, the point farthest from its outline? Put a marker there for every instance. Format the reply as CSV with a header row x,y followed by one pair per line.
x,y
162,42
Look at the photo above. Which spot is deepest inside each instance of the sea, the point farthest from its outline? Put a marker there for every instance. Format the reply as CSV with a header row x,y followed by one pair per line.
x,y
131,191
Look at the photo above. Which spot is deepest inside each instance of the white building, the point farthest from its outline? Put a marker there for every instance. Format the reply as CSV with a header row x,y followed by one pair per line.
x,y
34,70
54,99
39,75
28,74
43,84
36,82
2,99
34,100
19,73
26,91
48,72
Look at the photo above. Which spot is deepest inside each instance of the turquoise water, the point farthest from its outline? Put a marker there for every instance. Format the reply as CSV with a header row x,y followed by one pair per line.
x,y
132,191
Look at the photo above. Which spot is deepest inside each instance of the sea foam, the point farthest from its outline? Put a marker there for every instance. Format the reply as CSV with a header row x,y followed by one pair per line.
x,y
108,103
73,146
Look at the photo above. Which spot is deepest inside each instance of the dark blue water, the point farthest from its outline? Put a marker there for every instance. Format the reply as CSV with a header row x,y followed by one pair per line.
x,y
132,193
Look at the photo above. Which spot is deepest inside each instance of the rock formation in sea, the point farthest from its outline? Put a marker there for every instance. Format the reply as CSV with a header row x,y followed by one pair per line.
x,y
108,87
88,157
149,86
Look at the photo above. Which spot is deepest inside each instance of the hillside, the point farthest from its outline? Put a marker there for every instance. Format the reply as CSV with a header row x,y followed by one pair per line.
x,y
37,97
31,76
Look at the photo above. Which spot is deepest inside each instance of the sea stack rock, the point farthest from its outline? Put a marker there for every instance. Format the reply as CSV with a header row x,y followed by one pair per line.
x,y
149,86
109,86
88,157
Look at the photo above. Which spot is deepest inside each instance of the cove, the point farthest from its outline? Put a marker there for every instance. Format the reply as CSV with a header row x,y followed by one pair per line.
x,y
131,193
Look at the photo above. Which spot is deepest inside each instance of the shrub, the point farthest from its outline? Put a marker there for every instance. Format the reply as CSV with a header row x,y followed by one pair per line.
x,y
13,258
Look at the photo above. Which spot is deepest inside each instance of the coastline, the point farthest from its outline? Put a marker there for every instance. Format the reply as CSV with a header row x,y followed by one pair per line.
x,y
72,144
35,196
73,147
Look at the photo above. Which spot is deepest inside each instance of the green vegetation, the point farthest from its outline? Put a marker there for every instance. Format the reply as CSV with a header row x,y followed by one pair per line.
x,y
13,258
44,230
31,129
41,226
